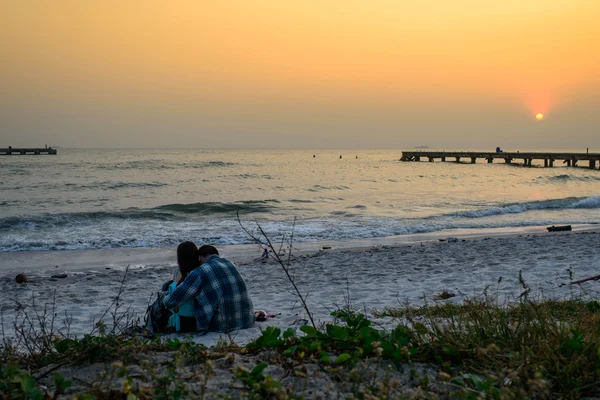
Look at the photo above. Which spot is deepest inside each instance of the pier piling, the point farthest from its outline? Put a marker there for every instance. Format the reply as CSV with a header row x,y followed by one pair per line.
x,y
570,159
10,151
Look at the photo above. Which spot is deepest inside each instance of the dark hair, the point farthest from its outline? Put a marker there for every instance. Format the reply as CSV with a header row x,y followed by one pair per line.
x,y
207,250
187,258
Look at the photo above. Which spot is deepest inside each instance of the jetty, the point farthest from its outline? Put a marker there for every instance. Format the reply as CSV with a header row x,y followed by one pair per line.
x,y
590,160
13,151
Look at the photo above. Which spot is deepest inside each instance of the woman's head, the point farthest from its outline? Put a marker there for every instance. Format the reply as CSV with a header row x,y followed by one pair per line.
x,y
187,257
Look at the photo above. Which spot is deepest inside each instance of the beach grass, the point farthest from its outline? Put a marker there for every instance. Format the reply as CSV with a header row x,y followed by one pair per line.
x,y
473,349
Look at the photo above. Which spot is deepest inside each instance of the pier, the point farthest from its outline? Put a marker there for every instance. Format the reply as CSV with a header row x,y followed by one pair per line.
x,y
25,151
589,160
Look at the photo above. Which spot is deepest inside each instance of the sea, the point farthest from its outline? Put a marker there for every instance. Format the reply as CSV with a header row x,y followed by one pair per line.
x,y
107,198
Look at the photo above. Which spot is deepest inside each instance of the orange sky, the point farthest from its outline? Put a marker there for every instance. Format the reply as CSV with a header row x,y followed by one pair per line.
x,y
115,73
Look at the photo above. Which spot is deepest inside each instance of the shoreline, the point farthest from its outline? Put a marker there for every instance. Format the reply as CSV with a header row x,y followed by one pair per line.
x,y
143,257
380,276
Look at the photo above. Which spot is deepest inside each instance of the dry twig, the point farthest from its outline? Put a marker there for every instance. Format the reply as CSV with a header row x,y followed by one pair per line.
x,y
286,267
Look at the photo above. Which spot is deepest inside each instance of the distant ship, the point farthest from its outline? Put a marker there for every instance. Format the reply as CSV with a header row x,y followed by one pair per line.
x,y
421,147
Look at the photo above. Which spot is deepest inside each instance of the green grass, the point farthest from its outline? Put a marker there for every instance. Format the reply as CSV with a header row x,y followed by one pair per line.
x,y
554,341
541,349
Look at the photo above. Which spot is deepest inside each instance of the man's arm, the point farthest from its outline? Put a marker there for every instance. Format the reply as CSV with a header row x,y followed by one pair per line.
x,y
188,289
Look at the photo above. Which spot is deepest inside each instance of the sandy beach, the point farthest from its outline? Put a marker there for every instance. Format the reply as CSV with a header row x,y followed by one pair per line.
x,y
369,277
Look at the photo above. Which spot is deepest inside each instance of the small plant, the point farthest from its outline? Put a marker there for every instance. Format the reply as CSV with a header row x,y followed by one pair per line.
x,y
259,385
17,384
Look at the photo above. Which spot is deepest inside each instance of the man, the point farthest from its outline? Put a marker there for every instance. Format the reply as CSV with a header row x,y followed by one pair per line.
x,y
222,303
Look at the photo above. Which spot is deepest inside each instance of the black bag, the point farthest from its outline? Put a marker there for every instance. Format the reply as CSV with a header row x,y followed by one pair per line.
x,y
157,316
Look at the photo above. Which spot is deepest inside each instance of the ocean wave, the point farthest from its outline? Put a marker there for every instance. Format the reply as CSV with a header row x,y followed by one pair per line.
x,y
227,231
516,208
75,219
161,165
102,185
566,178
215,222
247,206
112,185
320,188
167,212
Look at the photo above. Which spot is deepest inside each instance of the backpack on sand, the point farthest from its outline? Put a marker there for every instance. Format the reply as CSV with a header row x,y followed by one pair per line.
x,y
157,316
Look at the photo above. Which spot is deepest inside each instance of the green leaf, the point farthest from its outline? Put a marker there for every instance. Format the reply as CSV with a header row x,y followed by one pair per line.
x,y
174,343
314,346
420,328
289,332
574,345
273,331
324,357
290,351
450,351
37,395
342,358
258,370
338,332
368,332
309,330
477,381
27,383
61,382
458,381
62,346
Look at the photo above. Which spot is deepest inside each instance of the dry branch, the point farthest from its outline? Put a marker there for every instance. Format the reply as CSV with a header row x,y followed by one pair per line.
x,y
267,242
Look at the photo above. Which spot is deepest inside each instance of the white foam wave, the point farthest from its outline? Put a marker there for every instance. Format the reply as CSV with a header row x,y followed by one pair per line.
x,y
517,208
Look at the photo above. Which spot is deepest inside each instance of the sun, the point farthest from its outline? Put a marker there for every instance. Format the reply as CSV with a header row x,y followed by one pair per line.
x,y
539,117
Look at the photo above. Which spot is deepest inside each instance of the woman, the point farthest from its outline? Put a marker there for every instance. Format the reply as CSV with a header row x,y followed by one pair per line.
x,y
183,318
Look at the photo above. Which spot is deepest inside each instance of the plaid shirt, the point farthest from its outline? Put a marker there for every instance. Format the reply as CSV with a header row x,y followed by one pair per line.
x,y
221,299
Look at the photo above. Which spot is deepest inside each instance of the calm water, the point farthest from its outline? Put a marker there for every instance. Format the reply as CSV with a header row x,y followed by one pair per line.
x,y
84,199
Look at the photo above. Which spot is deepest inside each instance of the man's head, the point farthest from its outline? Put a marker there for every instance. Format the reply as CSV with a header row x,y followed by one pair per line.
x,y
204,252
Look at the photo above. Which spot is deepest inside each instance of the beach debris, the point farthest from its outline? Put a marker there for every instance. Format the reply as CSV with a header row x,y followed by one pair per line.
x,y
260,315
21,278
59,276
452,240
326,247
442,240
593,278
561,228
444,295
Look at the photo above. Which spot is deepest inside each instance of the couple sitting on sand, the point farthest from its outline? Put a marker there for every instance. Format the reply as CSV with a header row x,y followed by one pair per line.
x,y
207,294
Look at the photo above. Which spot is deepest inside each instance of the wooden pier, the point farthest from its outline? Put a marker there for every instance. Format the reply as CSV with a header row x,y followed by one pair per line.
x,y
23,151
590,160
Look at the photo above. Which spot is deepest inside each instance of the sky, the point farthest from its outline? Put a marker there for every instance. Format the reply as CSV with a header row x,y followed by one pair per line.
x,y
300,74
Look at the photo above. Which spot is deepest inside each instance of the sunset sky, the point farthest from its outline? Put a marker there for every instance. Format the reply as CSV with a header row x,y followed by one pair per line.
x,y
300,74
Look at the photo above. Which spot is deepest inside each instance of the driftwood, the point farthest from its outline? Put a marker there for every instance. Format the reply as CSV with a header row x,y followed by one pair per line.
x,y
593,278
559,228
